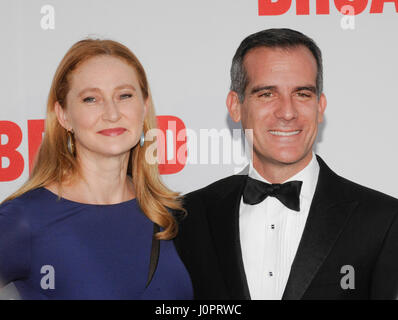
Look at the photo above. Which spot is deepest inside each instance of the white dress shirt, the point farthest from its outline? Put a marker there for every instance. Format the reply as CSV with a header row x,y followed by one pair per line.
x,y
270,234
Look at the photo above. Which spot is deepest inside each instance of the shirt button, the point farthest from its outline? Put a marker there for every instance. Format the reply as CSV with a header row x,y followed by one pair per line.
x,y
272,226
270,274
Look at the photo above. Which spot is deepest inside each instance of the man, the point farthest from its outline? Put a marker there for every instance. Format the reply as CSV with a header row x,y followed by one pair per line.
x,y
290,228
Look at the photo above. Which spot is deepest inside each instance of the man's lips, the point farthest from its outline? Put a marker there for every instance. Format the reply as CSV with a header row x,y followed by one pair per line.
x,y
112,132
284,133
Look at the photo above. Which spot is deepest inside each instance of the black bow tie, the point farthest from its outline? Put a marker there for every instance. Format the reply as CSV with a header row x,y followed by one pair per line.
x,y
288,193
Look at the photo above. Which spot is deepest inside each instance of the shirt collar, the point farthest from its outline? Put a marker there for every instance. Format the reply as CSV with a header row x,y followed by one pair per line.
x,y
309,176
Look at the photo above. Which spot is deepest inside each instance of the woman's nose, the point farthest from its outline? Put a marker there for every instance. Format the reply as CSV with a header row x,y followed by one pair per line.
x,y
111,111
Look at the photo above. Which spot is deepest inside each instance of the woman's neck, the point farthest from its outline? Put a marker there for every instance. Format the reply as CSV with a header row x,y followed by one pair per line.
x,y
103,180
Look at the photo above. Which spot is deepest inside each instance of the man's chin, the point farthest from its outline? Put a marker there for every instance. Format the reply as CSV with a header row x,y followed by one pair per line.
x,y
287,157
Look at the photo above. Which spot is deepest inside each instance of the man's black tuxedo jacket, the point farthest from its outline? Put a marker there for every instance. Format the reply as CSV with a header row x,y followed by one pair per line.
x,y
348,224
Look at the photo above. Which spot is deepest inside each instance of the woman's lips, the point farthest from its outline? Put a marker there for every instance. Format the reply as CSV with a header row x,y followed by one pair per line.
x,y
112,132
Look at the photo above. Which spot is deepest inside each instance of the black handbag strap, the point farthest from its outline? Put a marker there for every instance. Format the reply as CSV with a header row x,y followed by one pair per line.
x,y
154,254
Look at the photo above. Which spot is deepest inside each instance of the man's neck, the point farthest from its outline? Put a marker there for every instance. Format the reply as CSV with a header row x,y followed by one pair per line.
x,y
276,172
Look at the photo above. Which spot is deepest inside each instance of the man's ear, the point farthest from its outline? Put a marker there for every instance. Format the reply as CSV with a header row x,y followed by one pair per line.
x,y
61,116
321,107
234,106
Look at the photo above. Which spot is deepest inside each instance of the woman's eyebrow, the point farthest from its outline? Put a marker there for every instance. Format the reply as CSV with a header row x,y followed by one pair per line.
x,y
87,89
123,86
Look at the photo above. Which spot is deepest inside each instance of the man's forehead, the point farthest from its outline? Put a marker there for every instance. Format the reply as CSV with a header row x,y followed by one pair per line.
x,y
278,58
289,65
279,66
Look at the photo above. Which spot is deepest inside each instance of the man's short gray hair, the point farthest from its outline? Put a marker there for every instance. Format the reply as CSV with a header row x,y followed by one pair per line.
x,y
272,38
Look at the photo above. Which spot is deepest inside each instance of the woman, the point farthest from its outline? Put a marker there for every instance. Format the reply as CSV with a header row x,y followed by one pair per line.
x,y
82,226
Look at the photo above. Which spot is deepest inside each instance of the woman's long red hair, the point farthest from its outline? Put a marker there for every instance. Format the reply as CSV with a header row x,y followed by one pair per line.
x,y
54,164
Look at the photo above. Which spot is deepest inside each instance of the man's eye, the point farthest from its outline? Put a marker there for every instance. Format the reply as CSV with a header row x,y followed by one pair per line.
x,y
266,94
89,99
126,96
303,94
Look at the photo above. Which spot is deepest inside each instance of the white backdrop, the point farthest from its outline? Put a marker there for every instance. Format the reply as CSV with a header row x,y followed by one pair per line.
x,y
186,47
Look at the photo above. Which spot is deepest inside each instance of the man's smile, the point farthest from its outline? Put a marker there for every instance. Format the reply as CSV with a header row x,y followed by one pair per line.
x,y
284,133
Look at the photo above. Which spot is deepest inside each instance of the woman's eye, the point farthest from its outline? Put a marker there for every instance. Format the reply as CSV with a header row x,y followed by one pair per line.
x,y
89,99
125,96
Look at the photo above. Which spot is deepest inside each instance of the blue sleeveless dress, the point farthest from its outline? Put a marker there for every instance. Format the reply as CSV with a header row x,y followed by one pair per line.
x,y
61,249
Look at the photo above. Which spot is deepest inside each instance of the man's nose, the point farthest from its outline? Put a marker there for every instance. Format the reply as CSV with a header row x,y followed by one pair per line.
x,y
286,109
111,111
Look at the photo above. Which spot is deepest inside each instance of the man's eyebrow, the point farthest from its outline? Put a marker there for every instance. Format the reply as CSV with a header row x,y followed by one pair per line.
x,y
273,88
309,88
261,88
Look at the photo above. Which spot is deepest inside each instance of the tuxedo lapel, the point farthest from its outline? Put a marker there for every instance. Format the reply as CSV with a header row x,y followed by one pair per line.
x,y
224,225
329,211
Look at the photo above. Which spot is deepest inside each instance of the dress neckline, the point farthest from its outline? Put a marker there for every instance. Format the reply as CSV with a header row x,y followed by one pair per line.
x,y
54,195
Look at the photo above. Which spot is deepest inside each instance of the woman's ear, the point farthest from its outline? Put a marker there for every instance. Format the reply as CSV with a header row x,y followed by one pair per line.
x,y
62,116
146,107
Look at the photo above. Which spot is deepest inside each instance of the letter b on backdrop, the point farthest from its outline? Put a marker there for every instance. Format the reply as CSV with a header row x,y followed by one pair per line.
x,y
12,133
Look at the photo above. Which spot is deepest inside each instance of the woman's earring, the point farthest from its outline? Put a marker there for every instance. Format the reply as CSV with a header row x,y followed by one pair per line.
x,y
142,139
71,145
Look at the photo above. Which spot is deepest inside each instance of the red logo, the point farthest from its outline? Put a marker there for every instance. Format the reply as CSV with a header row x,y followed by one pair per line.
x,y
8,150
171,146
279,7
